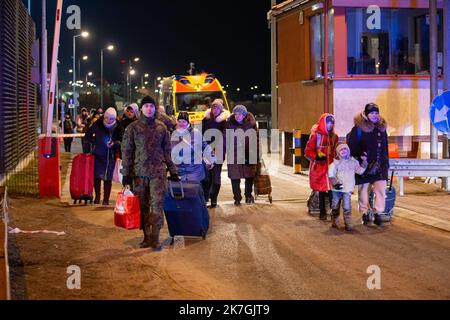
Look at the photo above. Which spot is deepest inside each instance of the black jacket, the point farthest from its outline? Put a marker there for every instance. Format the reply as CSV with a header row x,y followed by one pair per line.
x,y
373,140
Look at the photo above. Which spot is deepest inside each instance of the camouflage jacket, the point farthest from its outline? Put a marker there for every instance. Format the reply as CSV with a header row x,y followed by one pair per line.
x,y
146,149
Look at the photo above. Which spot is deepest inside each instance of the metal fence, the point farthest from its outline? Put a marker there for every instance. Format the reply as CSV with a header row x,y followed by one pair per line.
x,y
18,107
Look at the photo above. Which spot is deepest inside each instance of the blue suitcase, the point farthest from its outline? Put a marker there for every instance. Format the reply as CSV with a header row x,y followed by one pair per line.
x,y
185,210
390,201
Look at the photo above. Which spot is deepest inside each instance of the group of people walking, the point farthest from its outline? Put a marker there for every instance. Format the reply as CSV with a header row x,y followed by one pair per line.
x,y
363,161
152,143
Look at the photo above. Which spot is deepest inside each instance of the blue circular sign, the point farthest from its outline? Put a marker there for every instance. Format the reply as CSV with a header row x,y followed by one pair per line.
x,y
440,112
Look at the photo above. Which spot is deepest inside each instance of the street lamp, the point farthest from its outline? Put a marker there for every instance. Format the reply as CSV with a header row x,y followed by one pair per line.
x,y
84,34
109,48
89,74
130,72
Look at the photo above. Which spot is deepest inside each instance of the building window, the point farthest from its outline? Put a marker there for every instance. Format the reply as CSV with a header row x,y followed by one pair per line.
x,y
399,46
317,44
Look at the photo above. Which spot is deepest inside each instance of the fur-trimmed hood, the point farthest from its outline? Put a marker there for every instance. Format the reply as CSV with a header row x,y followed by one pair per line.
x,y
223,116
367,126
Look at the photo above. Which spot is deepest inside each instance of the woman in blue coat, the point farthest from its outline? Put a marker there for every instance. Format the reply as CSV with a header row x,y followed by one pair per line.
x,y
103,140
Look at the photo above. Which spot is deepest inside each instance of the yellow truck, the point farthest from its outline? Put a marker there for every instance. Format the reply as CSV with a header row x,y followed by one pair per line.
x,y
191,93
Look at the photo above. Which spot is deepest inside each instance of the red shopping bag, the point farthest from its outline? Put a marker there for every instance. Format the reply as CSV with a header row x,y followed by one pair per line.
x,y
127,213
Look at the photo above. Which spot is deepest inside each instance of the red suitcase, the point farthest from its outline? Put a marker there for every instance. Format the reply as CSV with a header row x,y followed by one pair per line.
x,y
82,178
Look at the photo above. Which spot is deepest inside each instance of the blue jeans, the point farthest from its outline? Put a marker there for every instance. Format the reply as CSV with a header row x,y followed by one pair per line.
x,y
345,198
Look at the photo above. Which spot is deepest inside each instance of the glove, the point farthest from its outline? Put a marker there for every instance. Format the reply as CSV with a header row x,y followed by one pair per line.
x,y
127,180
321,157
337,186
174,177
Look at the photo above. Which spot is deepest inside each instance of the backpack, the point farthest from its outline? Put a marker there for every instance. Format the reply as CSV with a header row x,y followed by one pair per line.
x,y
358,132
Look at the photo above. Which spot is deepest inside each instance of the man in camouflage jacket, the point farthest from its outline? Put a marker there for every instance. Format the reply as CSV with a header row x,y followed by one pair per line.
x,y
146,152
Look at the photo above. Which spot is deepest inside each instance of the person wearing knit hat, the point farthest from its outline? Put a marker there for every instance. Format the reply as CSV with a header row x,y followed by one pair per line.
x,y
371,107
368,137
342,176
146,156
183,115
103,139
240,109
242,154
214,121
148,99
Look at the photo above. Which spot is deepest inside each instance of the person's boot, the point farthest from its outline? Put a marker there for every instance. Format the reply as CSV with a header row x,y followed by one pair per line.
x,y
249,199
154,243
367,219
377,219
348,222
335,221
97,185
106,192
146,242
214,194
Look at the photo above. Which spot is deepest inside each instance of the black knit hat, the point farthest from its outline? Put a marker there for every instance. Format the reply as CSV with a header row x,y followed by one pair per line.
x,y
183,115
371,107
148,99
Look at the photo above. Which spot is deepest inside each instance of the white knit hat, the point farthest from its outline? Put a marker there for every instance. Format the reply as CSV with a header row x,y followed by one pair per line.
x,y
111,112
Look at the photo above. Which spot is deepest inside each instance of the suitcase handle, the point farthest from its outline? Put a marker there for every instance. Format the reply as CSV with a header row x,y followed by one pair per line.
x,y
175,195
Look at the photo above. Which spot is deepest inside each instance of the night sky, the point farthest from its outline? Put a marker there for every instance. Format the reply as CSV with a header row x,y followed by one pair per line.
x,y
228,38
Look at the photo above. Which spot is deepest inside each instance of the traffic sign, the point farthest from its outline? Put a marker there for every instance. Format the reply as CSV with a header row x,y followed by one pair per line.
x,y
440,112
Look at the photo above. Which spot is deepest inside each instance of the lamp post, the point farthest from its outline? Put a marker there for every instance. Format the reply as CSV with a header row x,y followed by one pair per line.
x,y
130,72
110,48
89,74
74,76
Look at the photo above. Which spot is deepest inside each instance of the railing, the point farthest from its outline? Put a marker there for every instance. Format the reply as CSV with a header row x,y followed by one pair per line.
x,y
421,168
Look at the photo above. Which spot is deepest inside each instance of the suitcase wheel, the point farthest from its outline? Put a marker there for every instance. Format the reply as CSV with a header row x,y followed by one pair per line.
x,y
172,241
85,202
74,201
270,199
203,233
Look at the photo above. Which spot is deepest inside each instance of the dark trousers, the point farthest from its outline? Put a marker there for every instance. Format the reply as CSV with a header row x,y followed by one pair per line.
x,y
107,185
236,185
68,144
322,206
211,185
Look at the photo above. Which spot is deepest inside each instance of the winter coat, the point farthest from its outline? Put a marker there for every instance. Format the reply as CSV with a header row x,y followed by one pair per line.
x,y
169,121
236,169
68,126
344,171
218,123
373,140
96,139
191,167
326,142
146,150
83,123
125,122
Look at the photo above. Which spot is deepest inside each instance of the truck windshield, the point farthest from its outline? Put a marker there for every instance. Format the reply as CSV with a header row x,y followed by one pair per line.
x,y
196,101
